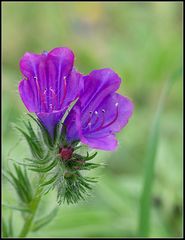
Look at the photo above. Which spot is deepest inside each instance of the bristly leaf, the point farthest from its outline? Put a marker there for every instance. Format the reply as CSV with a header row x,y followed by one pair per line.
x,y
47,160
72,187
34,137
48,182
31,142
90,157
21,183
8,227
37,168
21,209
58,134
45,134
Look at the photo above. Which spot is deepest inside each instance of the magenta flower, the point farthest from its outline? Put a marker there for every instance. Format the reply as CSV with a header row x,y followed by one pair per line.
x,y
50,84
99,112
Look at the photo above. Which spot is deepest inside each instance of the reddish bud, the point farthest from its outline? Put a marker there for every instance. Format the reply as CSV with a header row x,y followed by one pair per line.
x,y
66,153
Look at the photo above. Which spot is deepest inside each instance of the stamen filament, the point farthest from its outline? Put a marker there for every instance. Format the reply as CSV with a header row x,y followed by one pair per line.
x,y
102,123
115,118
89,119
64,91
54,98
102,126
41,95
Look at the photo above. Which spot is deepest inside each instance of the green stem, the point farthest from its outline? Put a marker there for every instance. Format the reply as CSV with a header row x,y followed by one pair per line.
x,y
146,195
33,209
28,222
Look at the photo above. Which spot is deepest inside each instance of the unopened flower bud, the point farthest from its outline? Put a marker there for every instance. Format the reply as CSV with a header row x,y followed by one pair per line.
x,y
66,153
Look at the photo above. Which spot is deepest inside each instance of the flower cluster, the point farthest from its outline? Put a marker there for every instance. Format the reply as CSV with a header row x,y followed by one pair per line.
x,y
72,110
51,83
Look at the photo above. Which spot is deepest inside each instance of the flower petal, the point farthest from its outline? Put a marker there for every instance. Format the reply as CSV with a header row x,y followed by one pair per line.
x,y
74,132
30,62
73,124
27,95
99,112
49,120
48,76
97,85
114,112
74,87
107,143
59,65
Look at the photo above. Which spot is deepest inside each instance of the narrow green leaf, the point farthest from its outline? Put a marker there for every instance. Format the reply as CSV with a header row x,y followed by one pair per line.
x,y
5,175
58,132
33,146
45,160
24,181
20,183
146,194
16,208
32,135
46,169
20,191
89,157
45,134
50,181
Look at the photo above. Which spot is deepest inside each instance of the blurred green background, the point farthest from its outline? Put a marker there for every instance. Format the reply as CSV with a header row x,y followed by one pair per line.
x,y
142,42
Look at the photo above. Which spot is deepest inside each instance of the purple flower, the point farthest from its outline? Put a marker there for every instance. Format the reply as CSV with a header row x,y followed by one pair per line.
x,y
50,84
99,112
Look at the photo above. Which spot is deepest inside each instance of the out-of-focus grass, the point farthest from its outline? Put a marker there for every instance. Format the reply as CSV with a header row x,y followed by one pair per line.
x,y
142,42
151,151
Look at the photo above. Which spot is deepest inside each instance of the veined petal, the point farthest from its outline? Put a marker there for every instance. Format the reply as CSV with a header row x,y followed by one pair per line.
x,y
59,65
51,84
74,87
49,76
107,143
73,124
97,85
75,132
28,95
49,120
113,113
30,62
96,122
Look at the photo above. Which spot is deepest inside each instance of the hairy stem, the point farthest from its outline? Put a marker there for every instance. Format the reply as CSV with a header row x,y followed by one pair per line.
x,y
33,209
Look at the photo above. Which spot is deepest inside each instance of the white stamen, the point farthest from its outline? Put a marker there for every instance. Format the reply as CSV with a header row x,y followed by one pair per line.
x,y
103,110
96,112
116,104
